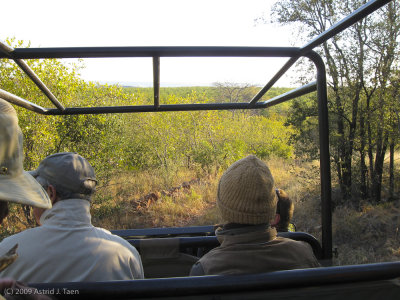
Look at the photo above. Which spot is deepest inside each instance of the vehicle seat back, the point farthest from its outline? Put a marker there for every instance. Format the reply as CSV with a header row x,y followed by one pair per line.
x,y
161,257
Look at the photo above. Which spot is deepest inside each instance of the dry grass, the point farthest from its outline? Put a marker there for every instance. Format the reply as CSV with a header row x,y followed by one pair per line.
x,y
147,199
367,236
301,181
188,207
120,204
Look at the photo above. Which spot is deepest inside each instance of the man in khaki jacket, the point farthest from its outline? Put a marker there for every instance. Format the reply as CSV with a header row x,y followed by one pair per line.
x,y
249,244
67,247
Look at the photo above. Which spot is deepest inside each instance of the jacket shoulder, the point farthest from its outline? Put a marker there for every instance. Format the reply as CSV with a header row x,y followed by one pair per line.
x,y
10,241
107,235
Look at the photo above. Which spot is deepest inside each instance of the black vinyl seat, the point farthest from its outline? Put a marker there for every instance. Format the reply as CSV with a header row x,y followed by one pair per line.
x,y
174,256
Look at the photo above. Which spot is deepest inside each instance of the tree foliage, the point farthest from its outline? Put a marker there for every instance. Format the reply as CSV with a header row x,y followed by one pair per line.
x,y
362,97
202,140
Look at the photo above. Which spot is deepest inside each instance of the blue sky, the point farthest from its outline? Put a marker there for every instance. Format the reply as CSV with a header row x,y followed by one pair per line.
x,y
73,23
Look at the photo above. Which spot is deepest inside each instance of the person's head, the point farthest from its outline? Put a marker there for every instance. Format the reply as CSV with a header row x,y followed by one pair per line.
x,y
246,193
284,208
16,185
65,176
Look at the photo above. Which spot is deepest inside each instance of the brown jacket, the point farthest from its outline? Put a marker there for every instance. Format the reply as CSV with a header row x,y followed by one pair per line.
x,y
254,249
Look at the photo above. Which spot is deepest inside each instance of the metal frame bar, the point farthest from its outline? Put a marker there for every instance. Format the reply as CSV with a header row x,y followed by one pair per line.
x,y
9,51
156,81
22,102
155,53
184,107
153,108
178,51
324,155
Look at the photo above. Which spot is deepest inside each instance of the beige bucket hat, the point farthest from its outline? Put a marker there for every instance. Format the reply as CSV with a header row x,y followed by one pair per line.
x,y
16,185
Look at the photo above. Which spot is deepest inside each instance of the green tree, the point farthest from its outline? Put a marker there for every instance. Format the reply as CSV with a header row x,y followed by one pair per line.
x,y
359,61
44,135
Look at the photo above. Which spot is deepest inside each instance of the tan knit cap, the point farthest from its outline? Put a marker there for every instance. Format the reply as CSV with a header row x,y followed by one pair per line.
x,y
246,192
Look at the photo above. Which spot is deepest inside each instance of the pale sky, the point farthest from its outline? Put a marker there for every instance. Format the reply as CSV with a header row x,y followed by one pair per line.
x,y
74,23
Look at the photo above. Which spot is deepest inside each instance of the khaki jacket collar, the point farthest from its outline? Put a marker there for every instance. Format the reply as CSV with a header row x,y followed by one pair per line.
x,y
246,235
68,213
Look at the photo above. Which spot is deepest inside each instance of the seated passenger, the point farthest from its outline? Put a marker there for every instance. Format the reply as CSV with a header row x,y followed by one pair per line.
x,y
247,201
18,186
284,209
67,247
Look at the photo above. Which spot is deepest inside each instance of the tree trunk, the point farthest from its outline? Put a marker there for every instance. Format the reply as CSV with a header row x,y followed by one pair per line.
x,y
363,166
378,170
346,177
391,172
344,160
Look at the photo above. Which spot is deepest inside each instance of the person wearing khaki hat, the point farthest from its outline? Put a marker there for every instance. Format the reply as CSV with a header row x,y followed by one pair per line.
x,y
66,247
247,202
17,186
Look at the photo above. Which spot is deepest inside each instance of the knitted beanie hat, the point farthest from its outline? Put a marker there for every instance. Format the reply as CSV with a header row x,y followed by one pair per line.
x,y
246,193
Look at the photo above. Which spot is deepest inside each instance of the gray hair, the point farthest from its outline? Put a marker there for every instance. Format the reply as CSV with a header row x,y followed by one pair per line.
x,y
88,189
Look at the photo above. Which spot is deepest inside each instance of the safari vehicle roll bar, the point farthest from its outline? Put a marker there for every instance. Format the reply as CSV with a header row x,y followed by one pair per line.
x,y
294,53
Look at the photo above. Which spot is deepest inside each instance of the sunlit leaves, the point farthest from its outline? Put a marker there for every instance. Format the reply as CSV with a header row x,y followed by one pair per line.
x,y
202,140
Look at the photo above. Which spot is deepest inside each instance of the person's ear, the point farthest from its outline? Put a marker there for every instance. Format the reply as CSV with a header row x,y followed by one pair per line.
x,y
276,220
51,191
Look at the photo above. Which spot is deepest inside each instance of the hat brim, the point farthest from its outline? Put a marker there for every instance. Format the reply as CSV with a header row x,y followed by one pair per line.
x,y
24,189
